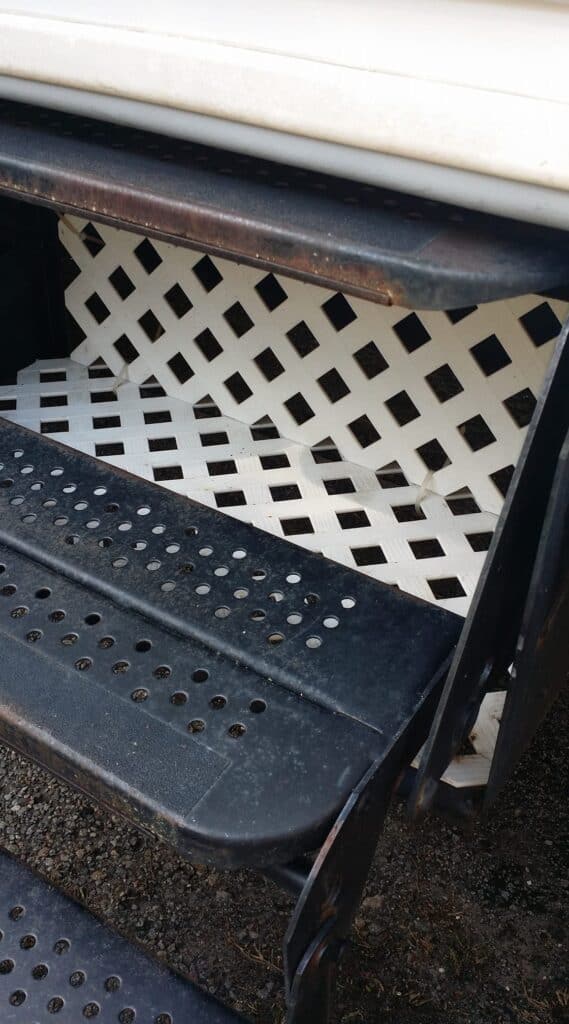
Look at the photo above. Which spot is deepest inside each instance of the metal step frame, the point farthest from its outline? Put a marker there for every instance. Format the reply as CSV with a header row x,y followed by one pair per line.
x,y
249,702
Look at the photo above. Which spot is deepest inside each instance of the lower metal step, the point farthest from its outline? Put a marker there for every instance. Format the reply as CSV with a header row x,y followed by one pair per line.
x,y
214,683
58,963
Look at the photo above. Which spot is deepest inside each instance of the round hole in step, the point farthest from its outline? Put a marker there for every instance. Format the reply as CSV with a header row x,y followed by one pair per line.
x,y
331,621
159,529
34,635
49,503
26,470
191,531
294,619
127,1015
6,482
80,506
276,595
313,642
30,517
7,966
120,667
202,589
186,568
163,1018
69,639
143,510
16,913
111,507
348,602
221,570
153,565
18,453
77,978
311,600
120,562
222,612
72,539
61,946
57,471
201,675
105,542
17,500
99,491
178,698
172,549
196,725
36,486
92,618
83,664
257,706
125,526
206,551
56,616
143,646
293,577
236,730
139,695
139,545
27,941
112,983
17,998
19,612
258,615
55,1004
274,639
8,589
70,488
43,593
218,702
105,642
258,575
239,553
241,593
162,672
39,972
92,524
63,521
167,586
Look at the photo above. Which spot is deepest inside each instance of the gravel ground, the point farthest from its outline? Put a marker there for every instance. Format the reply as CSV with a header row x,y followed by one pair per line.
x,y
457,927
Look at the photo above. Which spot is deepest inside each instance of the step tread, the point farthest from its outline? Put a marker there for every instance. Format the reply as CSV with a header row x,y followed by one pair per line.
x,y
383,245
231,736
55,958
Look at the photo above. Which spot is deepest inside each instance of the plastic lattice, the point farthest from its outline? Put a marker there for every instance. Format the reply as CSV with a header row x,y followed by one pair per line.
x,y
446,395
378,523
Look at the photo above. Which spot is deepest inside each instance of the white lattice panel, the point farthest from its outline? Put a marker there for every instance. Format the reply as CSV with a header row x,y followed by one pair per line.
x,y
366,521
432,391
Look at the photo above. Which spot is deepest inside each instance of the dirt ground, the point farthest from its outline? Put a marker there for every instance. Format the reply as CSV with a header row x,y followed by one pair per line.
x,y
457,927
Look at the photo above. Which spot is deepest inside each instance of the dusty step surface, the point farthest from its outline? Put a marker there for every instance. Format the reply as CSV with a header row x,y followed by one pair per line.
x,y
466,927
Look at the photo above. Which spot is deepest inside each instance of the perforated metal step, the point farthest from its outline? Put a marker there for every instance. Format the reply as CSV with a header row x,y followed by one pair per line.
x,y
367,241
216,683
57,963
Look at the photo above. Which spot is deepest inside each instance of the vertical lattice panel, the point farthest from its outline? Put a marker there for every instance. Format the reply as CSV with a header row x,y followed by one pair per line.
x,y
445,395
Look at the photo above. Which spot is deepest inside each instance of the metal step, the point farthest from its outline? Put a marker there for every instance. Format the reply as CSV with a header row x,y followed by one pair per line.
x,y
366,241
57,962
211,681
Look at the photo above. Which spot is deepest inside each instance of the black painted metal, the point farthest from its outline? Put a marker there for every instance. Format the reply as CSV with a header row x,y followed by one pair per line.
x,y
321,922
488,642
148,658
541,661
367,241
59,963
